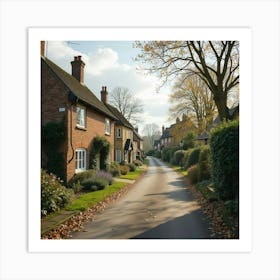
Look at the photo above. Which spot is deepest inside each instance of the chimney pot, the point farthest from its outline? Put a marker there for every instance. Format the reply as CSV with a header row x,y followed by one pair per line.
x,y
43,48
104,95
78,68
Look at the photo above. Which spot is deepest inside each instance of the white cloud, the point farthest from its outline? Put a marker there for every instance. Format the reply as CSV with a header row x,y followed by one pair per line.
x,y
103,69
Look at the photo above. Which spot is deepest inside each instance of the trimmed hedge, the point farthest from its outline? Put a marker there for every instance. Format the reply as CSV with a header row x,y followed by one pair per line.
x,y
224,152
193,174
204,164
193,156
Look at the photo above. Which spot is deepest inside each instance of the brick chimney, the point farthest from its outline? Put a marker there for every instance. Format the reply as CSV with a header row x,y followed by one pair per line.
x,y
136,129
162,129
78,68
104,95
42,48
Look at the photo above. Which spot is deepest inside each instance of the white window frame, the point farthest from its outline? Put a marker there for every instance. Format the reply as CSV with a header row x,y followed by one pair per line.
x,y
80,160
107,127
119,133
118,155
81,116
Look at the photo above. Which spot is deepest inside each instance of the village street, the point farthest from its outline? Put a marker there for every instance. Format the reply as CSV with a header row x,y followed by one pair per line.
x,y
158,206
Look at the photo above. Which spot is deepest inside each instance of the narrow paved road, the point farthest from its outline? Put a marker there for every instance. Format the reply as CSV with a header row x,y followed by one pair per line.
x,y
158,206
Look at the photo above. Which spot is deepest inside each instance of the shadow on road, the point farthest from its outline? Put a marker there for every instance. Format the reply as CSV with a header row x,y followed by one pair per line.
x,y
184,227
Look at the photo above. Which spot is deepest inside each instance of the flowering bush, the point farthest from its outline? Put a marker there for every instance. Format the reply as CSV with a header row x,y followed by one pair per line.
x,y
103,175
54,196
114,169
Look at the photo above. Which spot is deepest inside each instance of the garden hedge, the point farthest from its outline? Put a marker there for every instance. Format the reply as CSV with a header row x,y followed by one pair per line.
x,y
224,153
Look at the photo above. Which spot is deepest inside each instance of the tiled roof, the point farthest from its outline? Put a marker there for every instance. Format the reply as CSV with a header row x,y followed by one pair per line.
x,y
166,134
121,119
136,135
79,90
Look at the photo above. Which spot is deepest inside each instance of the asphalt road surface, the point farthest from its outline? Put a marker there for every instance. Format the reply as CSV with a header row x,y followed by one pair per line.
x,y
159,206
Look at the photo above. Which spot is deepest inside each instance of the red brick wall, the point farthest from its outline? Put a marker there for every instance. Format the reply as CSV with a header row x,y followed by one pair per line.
x,y
95,126
53,97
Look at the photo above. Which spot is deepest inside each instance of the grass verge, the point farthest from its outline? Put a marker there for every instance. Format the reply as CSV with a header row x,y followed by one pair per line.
x,y
180,170
133,174
88,200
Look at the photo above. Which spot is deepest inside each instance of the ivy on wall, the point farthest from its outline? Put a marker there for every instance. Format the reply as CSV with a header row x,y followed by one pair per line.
x,y
100,147
53,135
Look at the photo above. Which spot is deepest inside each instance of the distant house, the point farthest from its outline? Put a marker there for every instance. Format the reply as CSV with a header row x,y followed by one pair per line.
x,y
166,138
137,145
157,145
204,136
124,133
71,117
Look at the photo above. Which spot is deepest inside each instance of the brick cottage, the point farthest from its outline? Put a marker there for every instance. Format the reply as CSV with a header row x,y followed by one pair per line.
x,y
71,117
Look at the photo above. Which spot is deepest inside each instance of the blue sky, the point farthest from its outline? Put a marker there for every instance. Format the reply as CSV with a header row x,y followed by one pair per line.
x,y
110,63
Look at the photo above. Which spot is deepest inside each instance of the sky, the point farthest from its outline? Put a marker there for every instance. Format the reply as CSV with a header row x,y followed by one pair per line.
x,y
111,64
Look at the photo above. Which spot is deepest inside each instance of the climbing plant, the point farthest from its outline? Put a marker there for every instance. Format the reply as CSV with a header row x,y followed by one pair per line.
x,y
53,134
100,146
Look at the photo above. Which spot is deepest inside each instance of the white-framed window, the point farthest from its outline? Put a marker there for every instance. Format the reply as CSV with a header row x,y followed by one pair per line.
x,y
81,116
119,133
81,160
118,154
107,127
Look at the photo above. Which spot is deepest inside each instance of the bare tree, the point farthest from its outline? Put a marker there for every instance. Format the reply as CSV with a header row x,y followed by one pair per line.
x,y
130,106
215,62
151,133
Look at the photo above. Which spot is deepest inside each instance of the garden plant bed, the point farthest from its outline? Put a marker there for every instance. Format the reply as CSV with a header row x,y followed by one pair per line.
x,y
77,219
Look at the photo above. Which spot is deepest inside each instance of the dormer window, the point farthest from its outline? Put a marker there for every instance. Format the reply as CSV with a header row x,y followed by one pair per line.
x,y
81,117
107,127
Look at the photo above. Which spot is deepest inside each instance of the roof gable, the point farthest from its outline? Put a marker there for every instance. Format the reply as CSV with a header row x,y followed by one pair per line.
x,y
122,120
75,87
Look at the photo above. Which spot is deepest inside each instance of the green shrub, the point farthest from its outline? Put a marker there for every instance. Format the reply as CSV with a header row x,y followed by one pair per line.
x,y
124,169
207,189
185,158
168,152
204,172
88,184
54,196
114,169
193,174
189,141
178,157
101,179
100,183
100,147
157,154
132,167
77,187
137,162
193,157
224,152
151,153
81,176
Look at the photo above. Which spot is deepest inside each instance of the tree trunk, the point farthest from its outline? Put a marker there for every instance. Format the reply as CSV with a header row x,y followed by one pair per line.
x,y
221,102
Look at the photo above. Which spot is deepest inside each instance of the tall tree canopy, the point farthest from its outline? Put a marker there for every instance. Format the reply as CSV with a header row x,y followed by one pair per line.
x,y
215,62
192,97
130,106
